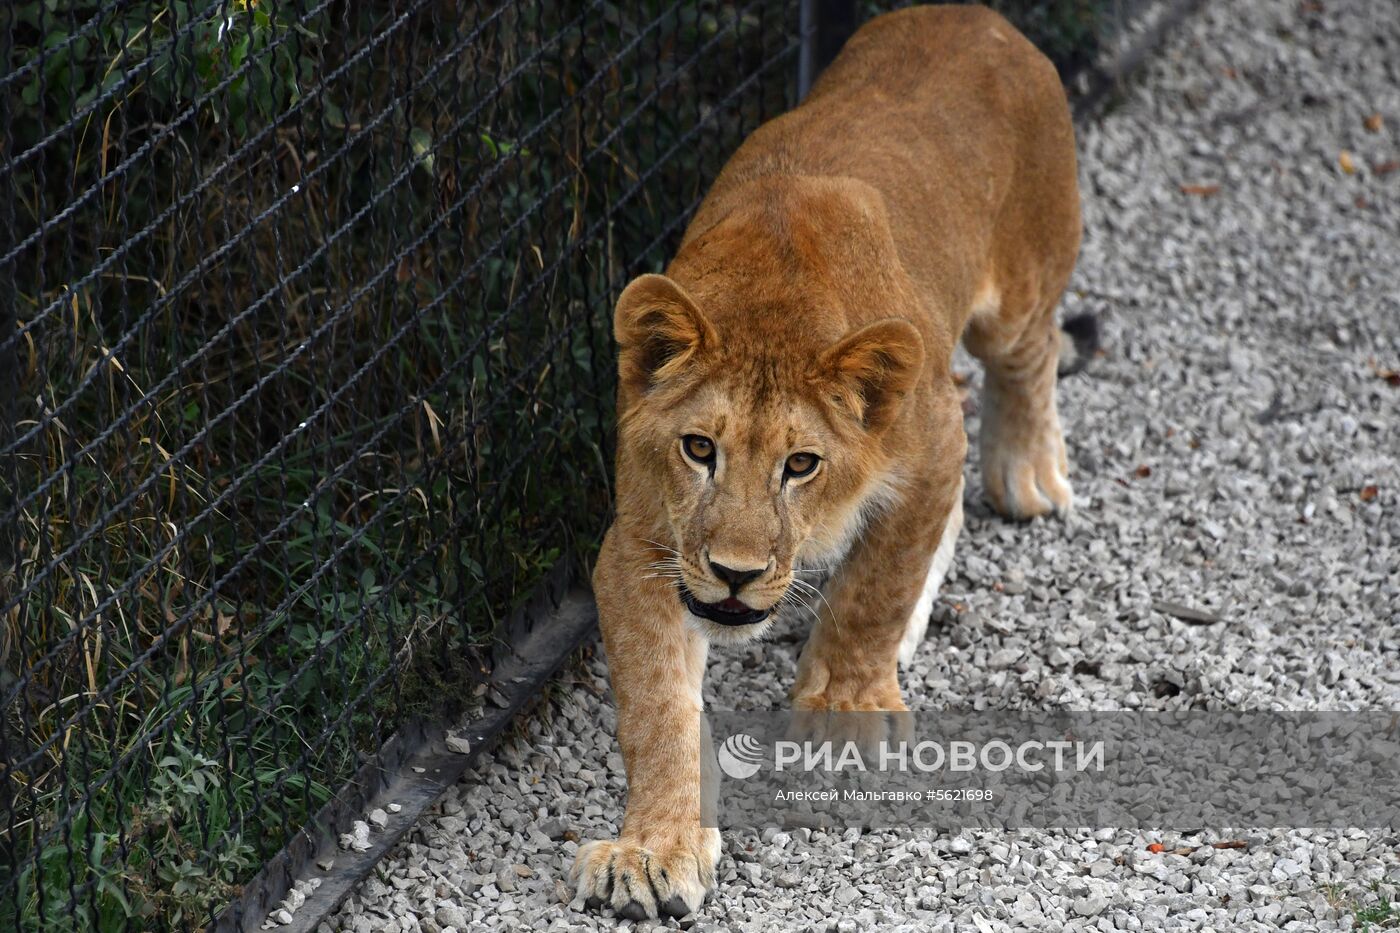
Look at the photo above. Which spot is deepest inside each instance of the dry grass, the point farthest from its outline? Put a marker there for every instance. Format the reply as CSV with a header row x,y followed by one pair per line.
x,y
288,492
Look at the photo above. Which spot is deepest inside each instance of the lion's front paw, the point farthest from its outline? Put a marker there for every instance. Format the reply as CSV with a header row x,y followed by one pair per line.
x,y
841,711
865,729
646,881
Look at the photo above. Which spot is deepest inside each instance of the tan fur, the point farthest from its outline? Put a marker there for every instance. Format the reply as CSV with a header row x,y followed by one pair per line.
x,y
924,192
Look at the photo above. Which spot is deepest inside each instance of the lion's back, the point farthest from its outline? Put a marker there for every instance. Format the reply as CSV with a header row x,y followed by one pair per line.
x,y
962,126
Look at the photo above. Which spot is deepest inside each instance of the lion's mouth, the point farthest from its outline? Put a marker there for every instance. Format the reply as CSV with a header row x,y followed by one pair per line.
x,y
730,611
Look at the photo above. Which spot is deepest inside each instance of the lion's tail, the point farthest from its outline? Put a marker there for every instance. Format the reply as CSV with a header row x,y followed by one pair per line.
x,y
1078,343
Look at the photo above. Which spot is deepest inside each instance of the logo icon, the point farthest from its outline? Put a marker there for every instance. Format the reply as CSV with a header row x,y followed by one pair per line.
x,y
740,756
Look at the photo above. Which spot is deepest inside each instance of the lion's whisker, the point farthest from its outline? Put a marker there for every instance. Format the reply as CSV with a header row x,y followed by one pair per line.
x,y
831,613
805,604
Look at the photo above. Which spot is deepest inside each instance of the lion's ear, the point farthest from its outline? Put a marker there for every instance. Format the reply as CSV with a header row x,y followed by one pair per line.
x,y
868,372
660,331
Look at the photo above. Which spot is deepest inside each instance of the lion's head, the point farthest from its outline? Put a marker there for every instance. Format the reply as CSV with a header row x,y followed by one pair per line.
x,y
764,441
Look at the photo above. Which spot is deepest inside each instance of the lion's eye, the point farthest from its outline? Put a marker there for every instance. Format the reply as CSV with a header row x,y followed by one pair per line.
x,y
801,464
700,449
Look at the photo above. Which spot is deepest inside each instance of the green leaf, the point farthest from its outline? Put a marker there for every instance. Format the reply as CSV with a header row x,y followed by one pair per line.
x,y
115,892
335,117
422,142
238,52
28,13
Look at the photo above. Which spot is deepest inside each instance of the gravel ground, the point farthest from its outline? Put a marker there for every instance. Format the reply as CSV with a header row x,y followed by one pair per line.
x,y
1236,450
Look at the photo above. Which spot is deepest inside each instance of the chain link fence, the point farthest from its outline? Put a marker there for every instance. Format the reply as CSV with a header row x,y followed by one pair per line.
x,y
305,381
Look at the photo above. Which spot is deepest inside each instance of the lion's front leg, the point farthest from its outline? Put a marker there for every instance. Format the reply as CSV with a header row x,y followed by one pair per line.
x,y
664,860
850,662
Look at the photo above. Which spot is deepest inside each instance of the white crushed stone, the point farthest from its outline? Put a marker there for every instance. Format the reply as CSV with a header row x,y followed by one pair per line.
x,y
357,838
1222,452
289,905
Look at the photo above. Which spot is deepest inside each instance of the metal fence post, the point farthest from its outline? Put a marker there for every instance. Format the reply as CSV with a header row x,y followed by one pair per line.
x,y
825,26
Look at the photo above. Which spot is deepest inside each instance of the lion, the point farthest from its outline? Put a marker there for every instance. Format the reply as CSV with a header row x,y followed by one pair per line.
x,y
787,406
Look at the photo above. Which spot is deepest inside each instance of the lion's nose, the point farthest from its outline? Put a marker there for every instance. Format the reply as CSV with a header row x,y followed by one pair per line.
x,y
736,578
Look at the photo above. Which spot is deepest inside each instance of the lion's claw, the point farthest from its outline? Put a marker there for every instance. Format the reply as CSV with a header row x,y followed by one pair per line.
x,y
641,883
675,906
